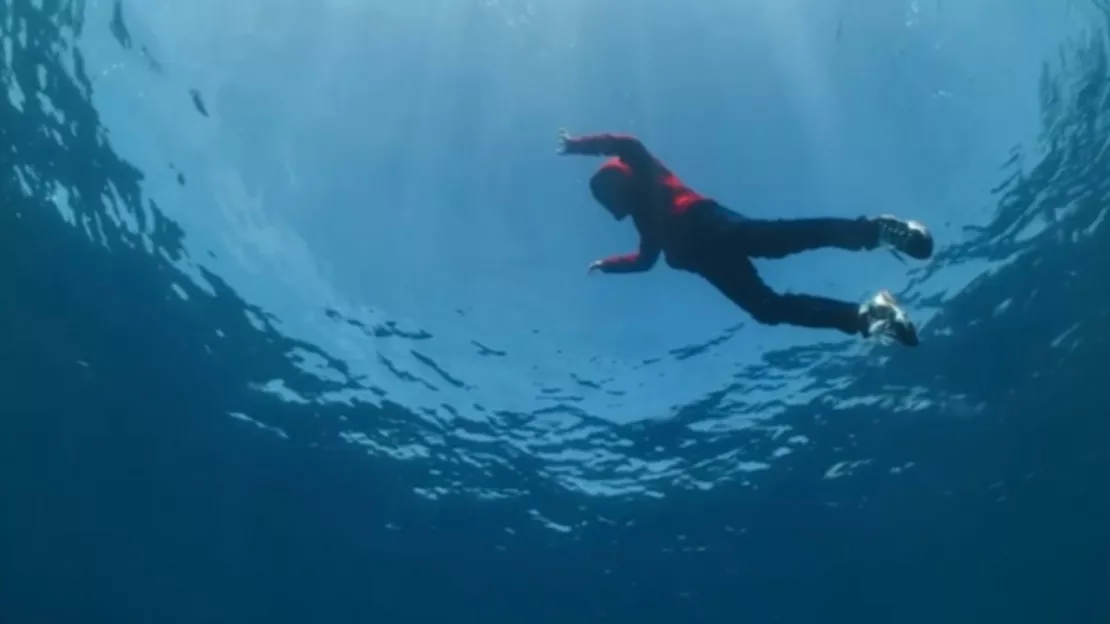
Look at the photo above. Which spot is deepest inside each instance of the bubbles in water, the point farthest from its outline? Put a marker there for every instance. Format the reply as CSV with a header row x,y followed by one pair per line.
x,y
514,12
913,15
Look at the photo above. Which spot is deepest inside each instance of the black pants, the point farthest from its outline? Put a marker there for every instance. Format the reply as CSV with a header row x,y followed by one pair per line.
x,y
728,242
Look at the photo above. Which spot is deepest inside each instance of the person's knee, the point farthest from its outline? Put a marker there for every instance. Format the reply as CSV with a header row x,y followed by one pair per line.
x,y
767,310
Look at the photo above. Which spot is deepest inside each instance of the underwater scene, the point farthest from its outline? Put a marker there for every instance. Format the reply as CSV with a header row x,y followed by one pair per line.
x,y
310,311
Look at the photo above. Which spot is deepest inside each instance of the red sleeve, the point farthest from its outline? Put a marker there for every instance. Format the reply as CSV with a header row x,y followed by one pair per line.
x,y
626,147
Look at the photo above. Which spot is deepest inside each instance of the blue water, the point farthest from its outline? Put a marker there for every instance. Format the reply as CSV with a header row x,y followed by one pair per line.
x,y
296,326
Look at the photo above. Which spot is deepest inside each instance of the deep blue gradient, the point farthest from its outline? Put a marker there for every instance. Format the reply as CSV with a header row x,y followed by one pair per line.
x,y
297,326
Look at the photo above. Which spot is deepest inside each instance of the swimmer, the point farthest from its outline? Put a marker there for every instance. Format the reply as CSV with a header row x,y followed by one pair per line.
x,y
696,234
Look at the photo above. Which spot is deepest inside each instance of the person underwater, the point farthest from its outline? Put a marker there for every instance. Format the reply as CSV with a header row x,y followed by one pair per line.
x,y
696,234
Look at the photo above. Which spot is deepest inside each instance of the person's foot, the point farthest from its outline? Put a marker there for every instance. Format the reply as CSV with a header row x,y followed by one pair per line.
x,y
908,237
882,317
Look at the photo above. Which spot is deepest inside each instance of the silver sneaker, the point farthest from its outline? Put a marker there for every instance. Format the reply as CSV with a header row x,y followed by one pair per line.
x,y
902,236
884,319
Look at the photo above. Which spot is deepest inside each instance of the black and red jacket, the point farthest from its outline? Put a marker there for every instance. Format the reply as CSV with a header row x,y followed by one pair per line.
x,y
660,204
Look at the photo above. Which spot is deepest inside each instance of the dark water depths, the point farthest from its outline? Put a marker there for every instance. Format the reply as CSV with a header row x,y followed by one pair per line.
x,y
963,484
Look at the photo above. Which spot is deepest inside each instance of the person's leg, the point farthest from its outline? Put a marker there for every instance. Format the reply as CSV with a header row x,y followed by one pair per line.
x,y
740,282
777,238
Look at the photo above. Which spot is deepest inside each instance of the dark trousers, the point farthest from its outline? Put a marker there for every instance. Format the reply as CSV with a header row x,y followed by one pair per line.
x,y
731,240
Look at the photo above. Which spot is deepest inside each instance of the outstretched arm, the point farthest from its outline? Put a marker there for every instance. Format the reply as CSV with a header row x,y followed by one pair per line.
x,y
626,147
635,262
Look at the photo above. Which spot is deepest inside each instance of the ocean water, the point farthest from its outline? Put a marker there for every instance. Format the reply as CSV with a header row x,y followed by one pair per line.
x,y
296,325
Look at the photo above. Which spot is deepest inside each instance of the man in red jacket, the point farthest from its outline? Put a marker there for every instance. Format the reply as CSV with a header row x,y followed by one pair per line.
x,y
696,234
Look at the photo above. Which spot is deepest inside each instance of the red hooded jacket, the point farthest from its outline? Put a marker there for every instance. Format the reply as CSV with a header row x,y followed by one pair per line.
x,y
657,201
